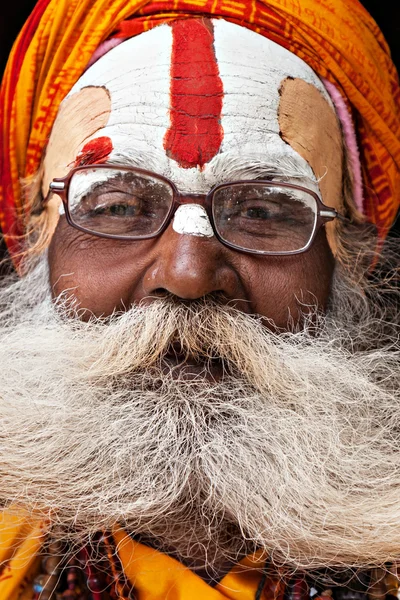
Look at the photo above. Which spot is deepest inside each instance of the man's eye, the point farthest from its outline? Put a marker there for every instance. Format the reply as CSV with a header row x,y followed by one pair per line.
x,y
256,212
118,208
256,209
115,205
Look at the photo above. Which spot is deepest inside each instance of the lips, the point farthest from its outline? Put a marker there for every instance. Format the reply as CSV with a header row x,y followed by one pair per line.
x,y
183,364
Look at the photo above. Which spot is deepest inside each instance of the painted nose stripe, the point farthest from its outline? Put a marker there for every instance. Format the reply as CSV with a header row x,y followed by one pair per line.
x,y
192,219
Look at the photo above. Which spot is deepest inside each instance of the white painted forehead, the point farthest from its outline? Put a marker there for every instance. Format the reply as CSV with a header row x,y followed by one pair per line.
x,y
137,74
143,58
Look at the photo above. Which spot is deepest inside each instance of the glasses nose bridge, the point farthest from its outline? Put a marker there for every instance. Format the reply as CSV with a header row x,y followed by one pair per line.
x,y
182,198
188,198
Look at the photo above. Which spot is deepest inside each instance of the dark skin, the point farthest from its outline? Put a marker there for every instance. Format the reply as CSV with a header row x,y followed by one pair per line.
x,y
112,274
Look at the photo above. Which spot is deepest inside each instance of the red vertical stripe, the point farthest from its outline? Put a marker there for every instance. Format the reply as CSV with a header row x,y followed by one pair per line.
x,y
195,134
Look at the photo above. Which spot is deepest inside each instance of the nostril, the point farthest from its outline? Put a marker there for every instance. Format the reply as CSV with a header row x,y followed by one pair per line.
x,y
154,295
163,293
160,293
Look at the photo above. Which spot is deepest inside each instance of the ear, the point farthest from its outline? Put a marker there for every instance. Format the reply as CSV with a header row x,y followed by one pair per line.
x,y
309,124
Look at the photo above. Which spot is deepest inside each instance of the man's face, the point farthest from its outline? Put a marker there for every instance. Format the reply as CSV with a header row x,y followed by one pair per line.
x,y
182,102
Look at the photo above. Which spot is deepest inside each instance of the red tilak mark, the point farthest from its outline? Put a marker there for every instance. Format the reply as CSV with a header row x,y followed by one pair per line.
x,y
95,151
195,134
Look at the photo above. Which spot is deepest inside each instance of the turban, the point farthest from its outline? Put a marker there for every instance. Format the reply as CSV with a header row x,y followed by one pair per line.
x,y
339,40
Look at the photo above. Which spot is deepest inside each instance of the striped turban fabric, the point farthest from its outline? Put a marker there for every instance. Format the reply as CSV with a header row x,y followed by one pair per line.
x,y
339,40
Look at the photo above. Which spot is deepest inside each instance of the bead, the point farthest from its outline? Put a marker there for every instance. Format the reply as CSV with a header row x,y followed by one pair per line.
x,y
377,587
39,583
69,595
37,588
391,583
51,564
273,589
296,589
55,548
72,577
347,593
94,584
45,585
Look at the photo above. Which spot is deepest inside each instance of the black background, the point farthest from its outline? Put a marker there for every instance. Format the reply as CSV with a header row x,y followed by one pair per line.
x,y
385,12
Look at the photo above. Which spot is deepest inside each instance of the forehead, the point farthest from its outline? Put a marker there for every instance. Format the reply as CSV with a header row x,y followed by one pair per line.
x,y
196,101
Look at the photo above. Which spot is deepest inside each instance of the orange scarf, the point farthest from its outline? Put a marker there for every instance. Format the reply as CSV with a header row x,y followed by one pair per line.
x,y
339,40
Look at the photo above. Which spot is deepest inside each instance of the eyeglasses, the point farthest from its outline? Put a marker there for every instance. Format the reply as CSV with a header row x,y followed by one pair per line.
x,y
258,217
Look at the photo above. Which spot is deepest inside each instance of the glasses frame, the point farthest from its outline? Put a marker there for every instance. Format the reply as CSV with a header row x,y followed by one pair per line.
x,y
60,186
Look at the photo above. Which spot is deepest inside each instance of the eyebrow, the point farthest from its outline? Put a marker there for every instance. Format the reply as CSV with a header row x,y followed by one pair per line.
x,y
141,159
228,166
267,166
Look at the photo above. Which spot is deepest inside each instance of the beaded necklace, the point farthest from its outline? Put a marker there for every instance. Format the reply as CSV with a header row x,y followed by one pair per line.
x,y
83,576
95,573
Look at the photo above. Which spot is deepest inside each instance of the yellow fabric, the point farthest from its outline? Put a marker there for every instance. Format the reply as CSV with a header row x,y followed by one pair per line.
x,y
20,542
153,575
156,576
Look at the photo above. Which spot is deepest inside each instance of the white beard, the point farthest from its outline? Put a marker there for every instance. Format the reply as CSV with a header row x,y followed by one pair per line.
x,y
295,451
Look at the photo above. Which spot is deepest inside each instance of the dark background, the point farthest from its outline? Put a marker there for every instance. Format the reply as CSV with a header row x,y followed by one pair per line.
x,y
385,12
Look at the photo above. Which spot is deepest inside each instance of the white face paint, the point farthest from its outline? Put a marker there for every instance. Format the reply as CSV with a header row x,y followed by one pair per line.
x,y
137,75
192,219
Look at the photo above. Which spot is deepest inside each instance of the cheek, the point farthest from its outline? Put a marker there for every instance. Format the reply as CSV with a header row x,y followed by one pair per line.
x,y
279,286
100,273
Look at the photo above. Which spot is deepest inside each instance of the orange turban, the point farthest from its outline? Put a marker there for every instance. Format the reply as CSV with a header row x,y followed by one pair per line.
x,y
339,40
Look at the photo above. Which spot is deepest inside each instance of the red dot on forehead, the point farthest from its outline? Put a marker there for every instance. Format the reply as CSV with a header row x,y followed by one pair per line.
x,y
195,133
95,151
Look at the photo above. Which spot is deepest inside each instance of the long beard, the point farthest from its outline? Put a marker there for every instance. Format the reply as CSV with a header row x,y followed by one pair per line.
x,y
295,450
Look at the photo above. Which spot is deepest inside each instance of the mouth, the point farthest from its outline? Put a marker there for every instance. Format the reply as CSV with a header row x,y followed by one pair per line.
x,y
185,365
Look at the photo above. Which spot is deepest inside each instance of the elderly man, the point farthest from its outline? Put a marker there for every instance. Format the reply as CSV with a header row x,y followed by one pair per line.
x,y
200,356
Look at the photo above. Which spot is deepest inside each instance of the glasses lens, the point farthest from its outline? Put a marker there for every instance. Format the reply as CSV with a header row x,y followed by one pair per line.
x,y
265,218
118,202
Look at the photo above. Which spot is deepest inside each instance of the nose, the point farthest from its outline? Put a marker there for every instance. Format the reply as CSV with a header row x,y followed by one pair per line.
x,y
191,267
